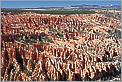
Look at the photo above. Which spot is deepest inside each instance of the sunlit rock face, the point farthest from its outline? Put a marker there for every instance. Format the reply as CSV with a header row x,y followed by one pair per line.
x,y
46,47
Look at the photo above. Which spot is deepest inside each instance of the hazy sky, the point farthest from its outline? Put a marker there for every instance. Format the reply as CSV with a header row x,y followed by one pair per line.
x,y
35,4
